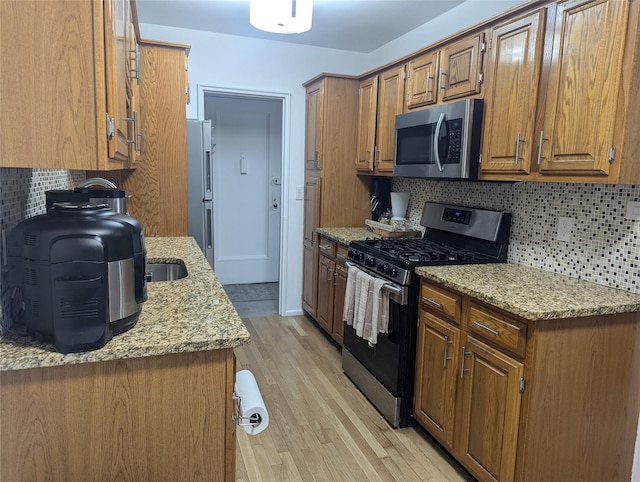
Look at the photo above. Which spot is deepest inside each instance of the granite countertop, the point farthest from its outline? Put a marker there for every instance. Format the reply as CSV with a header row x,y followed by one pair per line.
x,y
186,315
532,293
347,234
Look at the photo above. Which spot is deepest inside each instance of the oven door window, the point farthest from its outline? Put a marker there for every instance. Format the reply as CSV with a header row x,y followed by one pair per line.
x,y
382,360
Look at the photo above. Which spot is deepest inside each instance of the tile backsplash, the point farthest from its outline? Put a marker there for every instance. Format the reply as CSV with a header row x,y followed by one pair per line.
x,y
22,196
604,247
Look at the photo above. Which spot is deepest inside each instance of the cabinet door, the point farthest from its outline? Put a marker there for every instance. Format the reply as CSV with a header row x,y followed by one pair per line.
x,y
422,78
515,59
436,361
313,144
340,287
324,310
584,82
311,207
461,68
367,108
119,108
490,411
390,104
310,265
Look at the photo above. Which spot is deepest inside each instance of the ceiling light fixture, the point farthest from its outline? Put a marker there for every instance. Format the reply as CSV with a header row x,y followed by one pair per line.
x,y
281,16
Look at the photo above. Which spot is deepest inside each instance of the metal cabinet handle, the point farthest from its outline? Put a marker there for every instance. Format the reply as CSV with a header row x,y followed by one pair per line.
x,y
136,134
442,74
426,86
462,368
342,256
444,354
432,302
542,139
518,141
325,246
485,327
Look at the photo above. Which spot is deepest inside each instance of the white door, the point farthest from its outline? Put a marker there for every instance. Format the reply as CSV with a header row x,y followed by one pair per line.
x,y
247,171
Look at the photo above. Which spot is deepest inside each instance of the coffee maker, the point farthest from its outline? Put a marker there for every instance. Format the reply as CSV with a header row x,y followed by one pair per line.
x,y
380,196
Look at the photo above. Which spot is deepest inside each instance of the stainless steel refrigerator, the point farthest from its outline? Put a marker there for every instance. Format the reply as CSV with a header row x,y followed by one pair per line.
x,y
200,148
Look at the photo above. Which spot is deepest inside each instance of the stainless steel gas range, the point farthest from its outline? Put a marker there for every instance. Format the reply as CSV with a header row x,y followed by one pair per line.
x,y
453,235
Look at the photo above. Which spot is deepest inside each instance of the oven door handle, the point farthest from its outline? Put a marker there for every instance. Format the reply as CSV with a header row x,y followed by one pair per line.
x,y
398,292
392,288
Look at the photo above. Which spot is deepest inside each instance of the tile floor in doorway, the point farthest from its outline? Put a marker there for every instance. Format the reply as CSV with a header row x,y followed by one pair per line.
x,y
257,299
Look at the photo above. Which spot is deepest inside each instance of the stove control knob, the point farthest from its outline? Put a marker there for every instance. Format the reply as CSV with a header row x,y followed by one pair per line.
x,y
370,262
358,256
393,272
382,268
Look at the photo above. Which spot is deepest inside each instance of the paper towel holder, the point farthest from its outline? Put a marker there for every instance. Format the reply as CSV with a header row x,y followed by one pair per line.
x,y
238,420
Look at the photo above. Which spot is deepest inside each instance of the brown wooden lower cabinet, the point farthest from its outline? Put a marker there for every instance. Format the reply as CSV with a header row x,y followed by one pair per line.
x,y
331,286
153,418
511,399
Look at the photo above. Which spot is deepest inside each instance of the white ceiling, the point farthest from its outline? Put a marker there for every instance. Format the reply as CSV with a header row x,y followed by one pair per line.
x,y
355,25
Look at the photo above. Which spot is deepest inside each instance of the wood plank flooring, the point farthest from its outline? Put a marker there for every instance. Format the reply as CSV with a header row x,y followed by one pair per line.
x,y
320,426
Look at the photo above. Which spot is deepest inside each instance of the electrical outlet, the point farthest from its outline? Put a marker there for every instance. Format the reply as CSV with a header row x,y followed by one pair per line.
x,y
633,211
299,192
564,228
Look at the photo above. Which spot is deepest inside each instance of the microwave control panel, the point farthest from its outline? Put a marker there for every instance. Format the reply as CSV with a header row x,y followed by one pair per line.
x,y
455,138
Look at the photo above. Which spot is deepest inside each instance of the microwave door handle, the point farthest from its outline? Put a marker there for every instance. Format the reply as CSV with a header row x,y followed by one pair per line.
x,y
436,135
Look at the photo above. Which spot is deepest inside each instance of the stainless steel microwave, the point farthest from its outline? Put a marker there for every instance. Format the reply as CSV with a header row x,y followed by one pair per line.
x,y
439,142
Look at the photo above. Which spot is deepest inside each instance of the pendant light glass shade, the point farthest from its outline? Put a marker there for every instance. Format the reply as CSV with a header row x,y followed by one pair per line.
x,y
281,16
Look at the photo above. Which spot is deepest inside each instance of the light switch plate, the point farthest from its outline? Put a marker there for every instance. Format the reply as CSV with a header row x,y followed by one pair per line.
x,y
633,211
299,193
564,228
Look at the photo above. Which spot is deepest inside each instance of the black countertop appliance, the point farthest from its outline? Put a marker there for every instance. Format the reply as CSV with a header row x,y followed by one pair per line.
x,y
81,268
380,196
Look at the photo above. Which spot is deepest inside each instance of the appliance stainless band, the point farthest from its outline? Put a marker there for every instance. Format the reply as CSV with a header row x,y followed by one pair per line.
x,y
384,401
122,299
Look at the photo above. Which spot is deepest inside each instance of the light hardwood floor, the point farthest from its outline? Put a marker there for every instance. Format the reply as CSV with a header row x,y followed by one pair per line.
x,y
320,426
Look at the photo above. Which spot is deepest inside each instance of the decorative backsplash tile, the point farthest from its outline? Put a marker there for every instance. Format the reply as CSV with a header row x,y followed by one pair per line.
x,y
604,246
22,196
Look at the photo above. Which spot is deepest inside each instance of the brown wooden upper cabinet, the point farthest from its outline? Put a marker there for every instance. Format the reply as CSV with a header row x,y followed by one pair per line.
x,y
559,103
313,145
448,73
67,84
513,79
381,99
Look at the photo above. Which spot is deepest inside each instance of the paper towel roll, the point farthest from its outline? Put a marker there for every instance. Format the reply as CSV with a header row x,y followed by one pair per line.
x,y
252,407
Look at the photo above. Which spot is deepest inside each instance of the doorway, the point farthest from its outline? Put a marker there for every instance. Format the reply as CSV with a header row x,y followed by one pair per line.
x,y
247,167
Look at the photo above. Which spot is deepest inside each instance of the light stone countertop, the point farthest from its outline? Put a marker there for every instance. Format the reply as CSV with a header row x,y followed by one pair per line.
x,y
347,234
187,315
532,293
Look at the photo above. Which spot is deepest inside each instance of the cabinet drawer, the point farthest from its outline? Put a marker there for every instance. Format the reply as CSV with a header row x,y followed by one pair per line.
x,y
327,247
441,301
498,329
341,256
